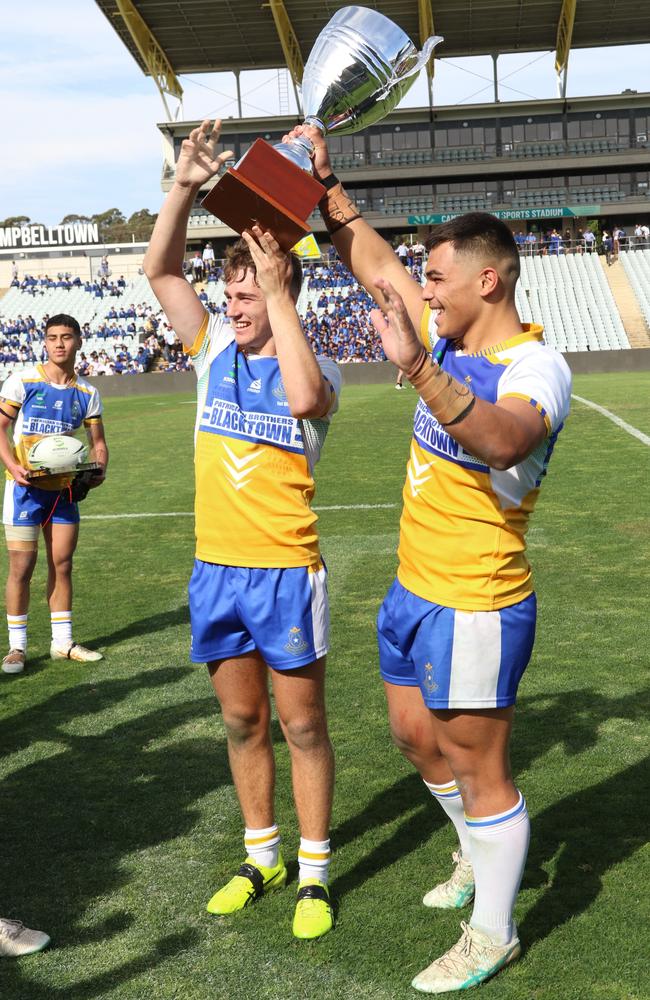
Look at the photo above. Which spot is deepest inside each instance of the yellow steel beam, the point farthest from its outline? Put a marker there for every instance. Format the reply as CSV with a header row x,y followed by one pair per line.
x,y
425,15
149,48
564,33
288,40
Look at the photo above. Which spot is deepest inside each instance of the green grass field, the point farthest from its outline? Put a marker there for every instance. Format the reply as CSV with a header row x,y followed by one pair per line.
x,y
118,816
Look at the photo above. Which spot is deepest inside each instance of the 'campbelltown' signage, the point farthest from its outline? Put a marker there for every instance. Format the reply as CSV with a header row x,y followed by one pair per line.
x,y
512,214
71,234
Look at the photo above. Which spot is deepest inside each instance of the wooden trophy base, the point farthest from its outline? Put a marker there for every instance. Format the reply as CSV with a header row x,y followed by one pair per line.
x,y
36,474
267,189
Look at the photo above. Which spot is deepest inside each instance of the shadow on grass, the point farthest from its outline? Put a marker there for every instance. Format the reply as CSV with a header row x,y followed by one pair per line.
x,y
70,820
587,832
145,626
584,848
406,796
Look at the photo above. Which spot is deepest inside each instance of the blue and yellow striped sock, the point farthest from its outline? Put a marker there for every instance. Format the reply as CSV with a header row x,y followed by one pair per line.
x,y
449,798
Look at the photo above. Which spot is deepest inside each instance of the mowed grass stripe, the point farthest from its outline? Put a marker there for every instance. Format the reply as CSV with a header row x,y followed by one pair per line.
x,y
119,816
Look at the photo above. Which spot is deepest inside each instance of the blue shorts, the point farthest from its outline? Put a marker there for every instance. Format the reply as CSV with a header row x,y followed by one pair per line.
x,y
283,613
458,659
31,507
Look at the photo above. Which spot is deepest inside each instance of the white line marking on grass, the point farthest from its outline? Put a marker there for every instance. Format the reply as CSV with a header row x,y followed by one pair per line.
x,y
190,513
615,420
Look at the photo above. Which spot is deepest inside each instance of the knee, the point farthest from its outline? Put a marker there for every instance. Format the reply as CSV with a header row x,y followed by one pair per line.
x,y
21,570
245,723
63,567
415,744
306,731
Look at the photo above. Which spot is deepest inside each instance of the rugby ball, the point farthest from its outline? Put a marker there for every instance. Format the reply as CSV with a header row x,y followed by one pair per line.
x,y
57,451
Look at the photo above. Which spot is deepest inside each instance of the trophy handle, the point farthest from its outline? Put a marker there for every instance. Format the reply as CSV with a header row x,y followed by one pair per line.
x,y
414,63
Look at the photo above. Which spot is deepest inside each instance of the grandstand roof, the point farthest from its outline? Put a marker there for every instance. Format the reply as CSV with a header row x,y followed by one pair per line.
x,y
200,36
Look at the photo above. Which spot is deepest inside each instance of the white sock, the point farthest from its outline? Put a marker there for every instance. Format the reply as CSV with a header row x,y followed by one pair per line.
x,y
17,627
263,846
499,849
314,860
61,628
449,798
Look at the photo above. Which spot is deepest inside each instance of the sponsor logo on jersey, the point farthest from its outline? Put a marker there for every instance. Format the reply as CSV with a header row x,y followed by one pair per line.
x,y
279,391
58,404
229,379
39,401
295,644
224,417
255,386
41,425
433,437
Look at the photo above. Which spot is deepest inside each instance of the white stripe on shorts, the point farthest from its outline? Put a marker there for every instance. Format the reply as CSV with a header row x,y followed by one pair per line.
x,y
475,659
8,504
320,610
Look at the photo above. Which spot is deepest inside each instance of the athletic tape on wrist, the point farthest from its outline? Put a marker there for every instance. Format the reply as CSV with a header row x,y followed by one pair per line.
x,y
449,400
337,208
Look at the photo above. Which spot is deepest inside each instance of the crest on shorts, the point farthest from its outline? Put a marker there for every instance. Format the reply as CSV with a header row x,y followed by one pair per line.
x,y
429,681
295,644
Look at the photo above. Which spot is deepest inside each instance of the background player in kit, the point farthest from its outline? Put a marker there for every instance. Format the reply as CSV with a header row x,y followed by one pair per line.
x,y
457,627
258,593
45,399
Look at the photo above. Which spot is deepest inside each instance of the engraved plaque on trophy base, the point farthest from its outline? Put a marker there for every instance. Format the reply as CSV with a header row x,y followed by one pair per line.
x,y
266,189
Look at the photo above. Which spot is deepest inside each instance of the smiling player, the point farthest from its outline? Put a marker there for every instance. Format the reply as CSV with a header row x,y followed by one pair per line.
x,y
258,594
456,629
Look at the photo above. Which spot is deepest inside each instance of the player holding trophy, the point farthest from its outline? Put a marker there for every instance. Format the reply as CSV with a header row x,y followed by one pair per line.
x,y
258,594
457,627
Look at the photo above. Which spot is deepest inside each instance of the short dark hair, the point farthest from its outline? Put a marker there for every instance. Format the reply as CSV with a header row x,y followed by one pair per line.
x,y
479,234
239,258
62,319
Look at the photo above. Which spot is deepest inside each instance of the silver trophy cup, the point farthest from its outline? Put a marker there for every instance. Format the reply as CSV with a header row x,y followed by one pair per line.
x,y
361,66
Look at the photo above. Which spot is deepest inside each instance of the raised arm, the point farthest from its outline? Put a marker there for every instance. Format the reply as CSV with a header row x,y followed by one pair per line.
x,y
163,262
502,434
308,393
359,246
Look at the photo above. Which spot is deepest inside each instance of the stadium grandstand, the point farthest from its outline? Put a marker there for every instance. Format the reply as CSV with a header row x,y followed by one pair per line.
x,y
567,174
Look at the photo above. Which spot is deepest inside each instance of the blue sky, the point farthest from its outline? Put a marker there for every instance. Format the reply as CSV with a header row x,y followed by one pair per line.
x,y
79,117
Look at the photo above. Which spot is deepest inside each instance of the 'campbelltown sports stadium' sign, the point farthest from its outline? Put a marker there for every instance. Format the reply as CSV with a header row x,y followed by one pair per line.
x,y
512,214
71,234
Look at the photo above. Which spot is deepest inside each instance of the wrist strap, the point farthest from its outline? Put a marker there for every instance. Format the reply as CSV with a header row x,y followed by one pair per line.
x,y
329,182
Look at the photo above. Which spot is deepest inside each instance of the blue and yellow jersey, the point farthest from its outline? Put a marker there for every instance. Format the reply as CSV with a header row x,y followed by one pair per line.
x,y
254,462
42,407
462,532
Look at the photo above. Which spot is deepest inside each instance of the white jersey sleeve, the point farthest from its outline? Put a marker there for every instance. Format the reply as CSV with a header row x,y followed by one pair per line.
x,y
13,389
332,373
543,378
215,334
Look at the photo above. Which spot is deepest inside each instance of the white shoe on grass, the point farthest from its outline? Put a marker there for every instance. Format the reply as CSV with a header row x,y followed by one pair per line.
x,y
14,662
471,961
16,939
73,651
457,891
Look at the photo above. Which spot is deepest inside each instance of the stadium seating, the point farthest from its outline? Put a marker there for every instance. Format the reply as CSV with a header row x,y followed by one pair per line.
x,y
637,269
570,296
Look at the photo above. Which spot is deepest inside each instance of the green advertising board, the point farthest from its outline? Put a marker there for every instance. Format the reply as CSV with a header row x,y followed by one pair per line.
x,y
512,214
